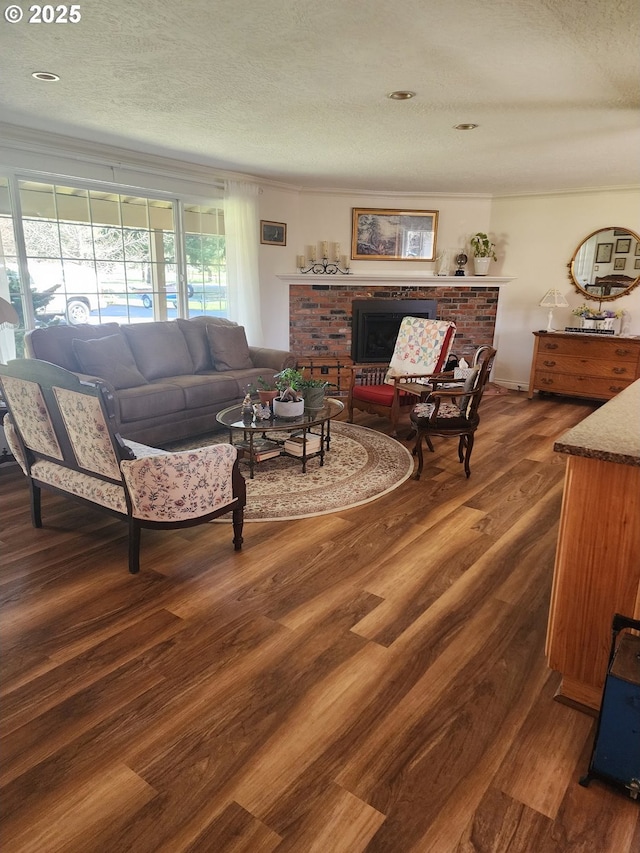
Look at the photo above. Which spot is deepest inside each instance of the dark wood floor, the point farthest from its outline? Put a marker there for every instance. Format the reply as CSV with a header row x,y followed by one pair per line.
x,y
369,680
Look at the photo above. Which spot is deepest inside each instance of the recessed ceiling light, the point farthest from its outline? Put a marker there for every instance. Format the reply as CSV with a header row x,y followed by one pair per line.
x,y
465,126
46,76
401,95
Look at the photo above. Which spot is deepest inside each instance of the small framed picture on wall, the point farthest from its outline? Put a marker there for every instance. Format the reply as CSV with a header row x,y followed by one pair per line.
x,y
623,245
637,263
619,263
273,233
604,252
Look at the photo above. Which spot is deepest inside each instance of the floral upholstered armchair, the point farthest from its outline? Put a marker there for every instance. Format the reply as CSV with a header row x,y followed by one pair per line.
x,y
59,429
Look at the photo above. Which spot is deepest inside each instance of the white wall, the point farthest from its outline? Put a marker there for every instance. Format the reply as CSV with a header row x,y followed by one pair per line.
x,y
540,235
535,236
312,216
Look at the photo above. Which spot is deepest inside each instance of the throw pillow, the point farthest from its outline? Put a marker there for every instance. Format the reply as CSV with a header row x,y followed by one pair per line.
x,y
109,358
159,349
469,385
229,348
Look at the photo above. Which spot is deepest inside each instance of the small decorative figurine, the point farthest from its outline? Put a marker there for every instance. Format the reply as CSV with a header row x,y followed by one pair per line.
x,y
247,409
461,260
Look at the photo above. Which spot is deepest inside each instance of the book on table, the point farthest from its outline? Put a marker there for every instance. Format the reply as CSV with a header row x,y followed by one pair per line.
x,y
267,454
261,450
296,444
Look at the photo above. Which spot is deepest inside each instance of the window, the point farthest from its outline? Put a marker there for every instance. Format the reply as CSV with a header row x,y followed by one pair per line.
x,y
96,256
205,259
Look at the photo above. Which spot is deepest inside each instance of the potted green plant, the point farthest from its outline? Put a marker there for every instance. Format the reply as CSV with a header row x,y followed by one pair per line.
x,y
483,252
313,391
266,391
289,403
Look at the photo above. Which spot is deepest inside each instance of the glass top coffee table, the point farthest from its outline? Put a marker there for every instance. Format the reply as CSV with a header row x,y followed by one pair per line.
x,y
263,439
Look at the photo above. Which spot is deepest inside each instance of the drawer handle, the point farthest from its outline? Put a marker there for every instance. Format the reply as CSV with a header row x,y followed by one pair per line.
x,y
622,352
619,370
616,388
546,381
551,346
549,363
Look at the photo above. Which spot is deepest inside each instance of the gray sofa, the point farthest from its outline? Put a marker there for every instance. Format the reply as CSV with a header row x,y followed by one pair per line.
x,y
168,379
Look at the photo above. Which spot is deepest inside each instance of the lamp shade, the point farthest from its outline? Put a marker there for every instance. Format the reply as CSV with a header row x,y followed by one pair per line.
x,y
8,314
553,299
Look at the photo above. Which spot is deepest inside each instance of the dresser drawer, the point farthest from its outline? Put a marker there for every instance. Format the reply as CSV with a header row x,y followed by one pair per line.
x,y
580,385
601,348
561,363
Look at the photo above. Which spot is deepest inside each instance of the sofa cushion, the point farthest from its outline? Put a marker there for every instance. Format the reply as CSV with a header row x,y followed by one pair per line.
x,y
229,347
208,389
160,349
195,334
109,358
55,343
151,401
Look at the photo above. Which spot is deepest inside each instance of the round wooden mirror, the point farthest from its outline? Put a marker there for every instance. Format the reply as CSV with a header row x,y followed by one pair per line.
x,y
606,265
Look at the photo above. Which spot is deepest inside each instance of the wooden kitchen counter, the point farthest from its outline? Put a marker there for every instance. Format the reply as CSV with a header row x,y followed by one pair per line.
x,y
597,569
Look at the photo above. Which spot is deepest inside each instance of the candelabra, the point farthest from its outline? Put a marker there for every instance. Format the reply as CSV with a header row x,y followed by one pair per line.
x,y
324,266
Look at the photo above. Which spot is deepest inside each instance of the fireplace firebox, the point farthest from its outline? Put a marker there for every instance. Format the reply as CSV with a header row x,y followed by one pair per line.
x,y
375,324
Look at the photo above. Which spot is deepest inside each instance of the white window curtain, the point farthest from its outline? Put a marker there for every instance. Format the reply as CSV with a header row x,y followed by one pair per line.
x,y
242,228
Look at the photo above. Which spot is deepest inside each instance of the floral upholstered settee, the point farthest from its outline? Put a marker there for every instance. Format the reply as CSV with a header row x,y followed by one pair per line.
x,y
60,430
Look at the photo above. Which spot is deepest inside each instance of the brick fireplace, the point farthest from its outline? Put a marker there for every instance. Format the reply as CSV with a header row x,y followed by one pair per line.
x,y
320,318
320,314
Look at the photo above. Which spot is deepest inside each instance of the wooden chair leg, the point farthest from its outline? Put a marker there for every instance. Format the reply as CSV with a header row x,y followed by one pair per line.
x,y
134,546
467,456
36,504
238,523
417,449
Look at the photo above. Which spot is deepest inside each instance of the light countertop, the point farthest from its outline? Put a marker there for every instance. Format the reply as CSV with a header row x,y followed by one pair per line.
x,y
611,433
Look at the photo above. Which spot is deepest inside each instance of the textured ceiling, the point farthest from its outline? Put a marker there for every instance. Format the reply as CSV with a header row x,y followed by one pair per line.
x,y
295,91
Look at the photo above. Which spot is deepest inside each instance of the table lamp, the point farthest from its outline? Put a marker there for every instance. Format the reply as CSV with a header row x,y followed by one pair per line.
x,y
552,299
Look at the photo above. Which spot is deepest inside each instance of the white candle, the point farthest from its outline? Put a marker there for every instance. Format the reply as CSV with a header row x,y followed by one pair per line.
x,y
325,249
345,262
337,251
300,261
312,253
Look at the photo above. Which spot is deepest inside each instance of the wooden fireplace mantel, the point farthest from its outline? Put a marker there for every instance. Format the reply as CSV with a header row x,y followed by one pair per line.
x,y
406,278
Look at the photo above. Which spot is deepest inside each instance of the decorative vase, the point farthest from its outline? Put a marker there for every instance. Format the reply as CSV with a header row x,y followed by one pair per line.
x,y
588,323
287,410
481,266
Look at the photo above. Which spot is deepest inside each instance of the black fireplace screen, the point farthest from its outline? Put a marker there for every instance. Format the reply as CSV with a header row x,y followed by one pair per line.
x,y
375,324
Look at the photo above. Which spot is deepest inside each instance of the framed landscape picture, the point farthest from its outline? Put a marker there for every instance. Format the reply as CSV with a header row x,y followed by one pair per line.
x,y
273,233
393,235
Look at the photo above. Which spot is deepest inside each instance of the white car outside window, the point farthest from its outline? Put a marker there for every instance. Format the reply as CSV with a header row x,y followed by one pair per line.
x,y
76,290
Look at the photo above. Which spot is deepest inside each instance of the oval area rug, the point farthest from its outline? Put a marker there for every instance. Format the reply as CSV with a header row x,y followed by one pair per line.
x,y
361,466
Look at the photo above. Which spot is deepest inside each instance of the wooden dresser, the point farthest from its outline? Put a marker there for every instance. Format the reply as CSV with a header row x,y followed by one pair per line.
x,y
594,366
